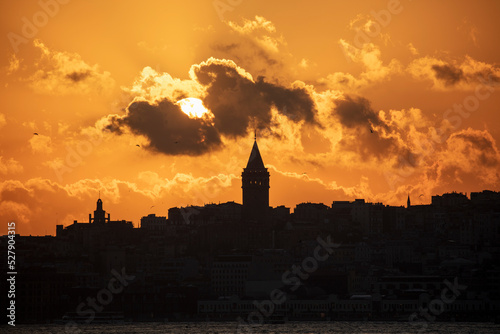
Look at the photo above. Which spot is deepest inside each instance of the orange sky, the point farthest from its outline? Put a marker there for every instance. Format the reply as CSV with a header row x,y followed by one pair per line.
x,y
371,99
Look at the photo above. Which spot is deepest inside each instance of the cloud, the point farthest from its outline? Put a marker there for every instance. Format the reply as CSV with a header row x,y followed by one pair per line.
x,y
374,69
167,128
257,46
64,73
249,26
469,30
236,101
41,144
413,49
414,130
14,64
260,24
10,166
16,212
468,157
305,63
447,75
311,183
356,112
365,133
472,151
366,29
31,203
194,190
153,86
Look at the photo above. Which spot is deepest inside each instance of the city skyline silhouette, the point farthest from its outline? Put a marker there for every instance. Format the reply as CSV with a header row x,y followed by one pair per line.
x,y
254,206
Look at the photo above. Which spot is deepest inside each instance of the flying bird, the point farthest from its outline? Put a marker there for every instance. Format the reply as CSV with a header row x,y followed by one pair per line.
x,y
371,130
421,195
138,145
36,134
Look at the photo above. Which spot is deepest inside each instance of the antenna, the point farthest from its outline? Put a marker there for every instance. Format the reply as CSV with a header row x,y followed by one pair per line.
x,y
255,134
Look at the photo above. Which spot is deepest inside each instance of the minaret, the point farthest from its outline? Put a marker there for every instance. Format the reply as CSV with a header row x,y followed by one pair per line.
x,y
408,203
99,213
255,185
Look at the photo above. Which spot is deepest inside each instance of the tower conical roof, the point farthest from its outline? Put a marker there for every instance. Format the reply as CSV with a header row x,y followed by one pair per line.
x,y
255,160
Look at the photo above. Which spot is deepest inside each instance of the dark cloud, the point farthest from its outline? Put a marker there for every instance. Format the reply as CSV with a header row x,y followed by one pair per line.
x,y
168,129
452,75
480,144
247,54
356,112
448,73
294,103
372,145
15,193
66,73
362,131
470,157
227,47
237,101
487,77
78,76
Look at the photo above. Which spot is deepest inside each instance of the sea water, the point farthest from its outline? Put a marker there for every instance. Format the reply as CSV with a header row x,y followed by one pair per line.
x,y
339,327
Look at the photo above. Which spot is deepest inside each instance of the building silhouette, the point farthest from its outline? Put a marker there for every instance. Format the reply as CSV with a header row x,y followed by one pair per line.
x,y
255,187
98,232
99,214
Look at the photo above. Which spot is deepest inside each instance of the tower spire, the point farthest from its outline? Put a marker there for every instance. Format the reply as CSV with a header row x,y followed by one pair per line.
x,y
255,185
255,134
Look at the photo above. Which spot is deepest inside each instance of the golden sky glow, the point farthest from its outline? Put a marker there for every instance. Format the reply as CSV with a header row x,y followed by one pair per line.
x,y
154,103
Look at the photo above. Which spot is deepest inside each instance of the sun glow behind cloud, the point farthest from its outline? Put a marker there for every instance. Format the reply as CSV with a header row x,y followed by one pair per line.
x,y
194,108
